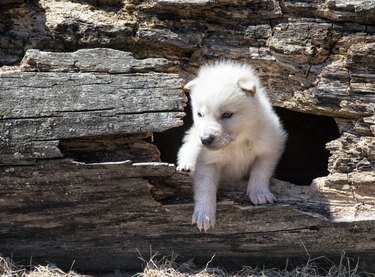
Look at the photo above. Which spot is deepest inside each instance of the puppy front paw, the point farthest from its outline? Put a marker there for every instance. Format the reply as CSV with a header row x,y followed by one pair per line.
x,y
185,167
204,216
260,195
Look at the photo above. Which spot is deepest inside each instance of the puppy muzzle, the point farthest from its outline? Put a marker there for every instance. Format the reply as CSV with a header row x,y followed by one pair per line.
x,y
207,140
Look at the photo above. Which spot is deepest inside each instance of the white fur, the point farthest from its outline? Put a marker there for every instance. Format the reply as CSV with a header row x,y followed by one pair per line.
x,y
250,142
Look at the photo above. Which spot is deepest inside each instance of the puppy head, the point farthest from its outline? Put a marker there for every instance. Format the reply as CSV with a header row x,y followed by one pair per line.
x,y
223,99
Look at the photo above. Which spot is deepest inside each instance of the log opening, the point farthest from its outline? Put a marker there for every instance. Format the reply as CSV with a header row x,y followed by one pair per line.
x,y
305,157
114,148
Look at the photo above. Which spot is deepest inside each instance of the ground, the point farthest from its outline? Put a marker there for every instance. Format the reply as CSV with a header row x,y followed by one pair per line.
x,y
158,266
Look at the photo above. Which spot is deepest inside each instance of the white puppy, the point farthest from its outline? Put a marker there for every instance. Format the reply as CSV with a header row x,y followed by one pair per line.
x,y
236,133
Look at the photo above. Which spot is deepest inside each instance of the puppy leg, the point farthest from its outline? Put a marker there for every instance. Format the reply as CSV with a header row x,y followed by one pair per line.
x,y
187,155
206,181
260,175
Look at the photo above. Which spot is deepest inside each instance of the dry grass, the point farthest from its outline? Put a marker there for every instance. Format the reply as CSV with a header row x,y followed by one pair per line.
x,y
168,267
9,269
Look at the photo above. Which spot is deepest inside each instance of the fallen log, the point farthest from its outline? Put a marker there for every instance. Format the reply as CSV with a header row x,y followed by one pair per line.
x,y
79,182
101,215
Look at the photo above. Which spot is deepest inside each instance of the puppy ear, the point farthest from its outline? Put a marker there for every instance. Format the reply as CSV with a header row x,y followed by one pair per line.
x,y
247,86
190,84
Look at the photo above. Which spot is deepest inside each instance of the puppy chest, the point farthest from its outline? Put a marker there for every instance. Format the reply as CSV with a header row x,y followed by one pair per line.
x,y
237,164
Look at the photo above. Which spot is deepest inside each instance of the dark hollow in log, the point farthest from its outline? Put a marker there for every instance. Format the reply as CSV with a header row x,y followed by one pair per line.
x,y
114,148
170,141
305,157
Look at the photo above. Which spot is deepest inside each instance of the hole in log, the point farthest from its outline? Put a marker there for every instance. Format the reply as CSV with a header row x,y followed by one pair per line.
x,y
305,157
170,141
110,149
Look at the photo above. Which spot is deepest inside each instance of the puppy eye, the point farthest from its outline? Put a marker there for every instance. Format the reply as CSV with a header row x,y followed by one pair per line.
x,y
226,115
199,114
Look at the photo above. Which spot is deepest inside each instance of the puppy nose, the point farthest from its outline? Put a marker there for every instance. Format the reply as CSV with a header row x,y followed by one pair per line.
x,y
207,140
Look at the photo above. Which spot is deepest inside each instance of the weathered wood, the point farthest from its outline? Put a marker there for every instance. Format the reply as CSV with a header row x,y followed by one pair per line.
x,y
49,106
67,211
102,60
53,94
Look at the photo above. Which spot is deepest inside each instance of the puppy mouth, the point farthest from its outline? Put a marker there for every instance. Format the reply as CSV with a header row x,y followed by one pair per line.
x,y
213,147
218,144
